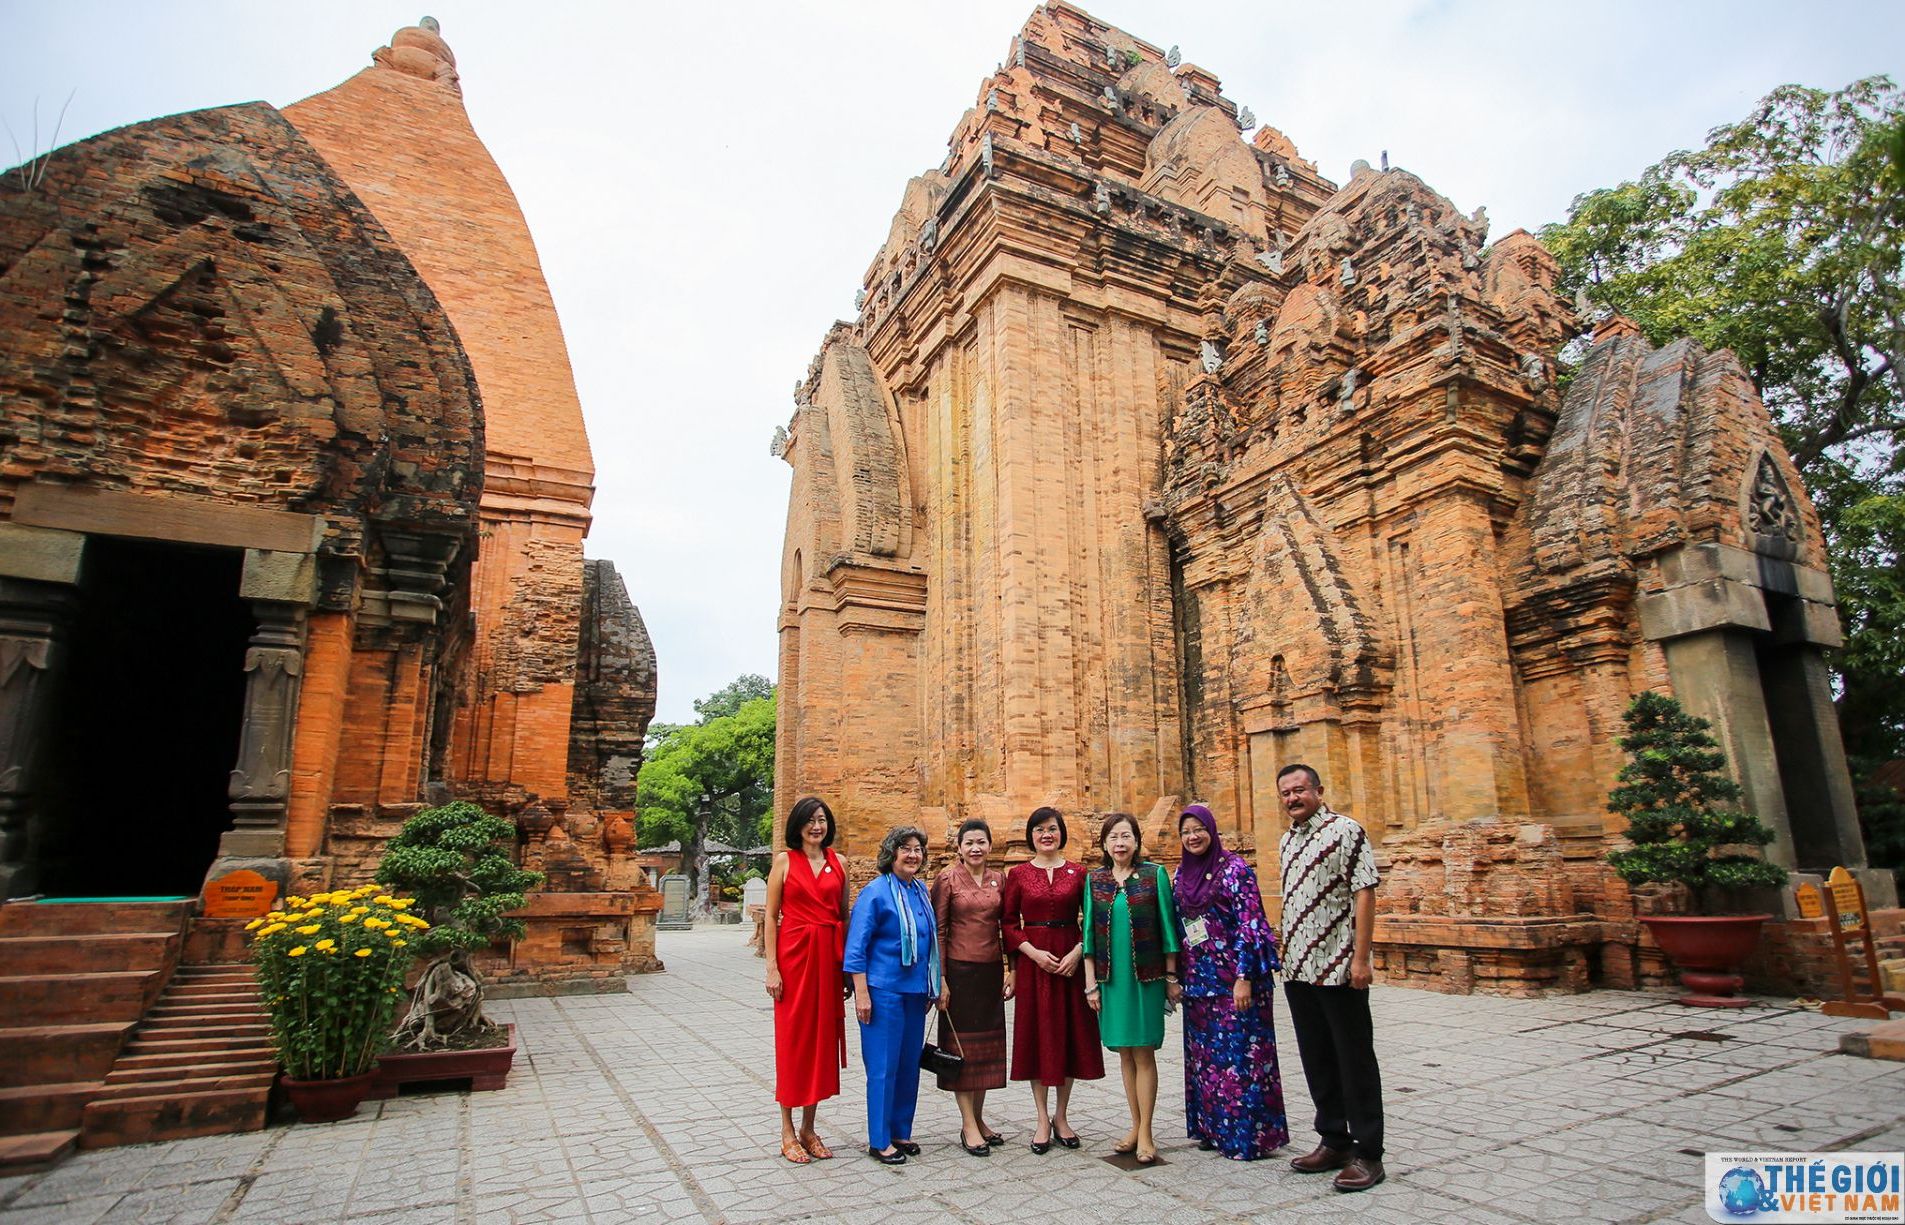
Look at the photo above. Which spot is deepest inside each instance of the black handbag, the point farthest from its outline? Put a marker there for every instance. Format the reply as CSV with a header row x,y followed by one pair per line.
x,y
941,1062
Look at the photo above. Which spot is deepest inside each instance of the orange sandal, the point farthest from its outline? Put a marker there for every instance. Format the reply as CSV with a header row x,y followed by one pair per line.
x,y
792,1150
820,1151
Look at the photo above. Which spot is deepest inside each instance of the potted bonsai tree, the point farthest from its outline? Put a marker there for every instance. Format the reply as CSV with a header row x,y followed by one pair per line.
x,y
331,969
1685,828
455,860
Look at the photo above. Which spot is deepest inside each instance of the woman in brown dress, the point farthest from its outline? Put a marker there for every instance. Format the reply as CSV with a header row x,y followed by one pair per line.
x,y
1055,1038
968,900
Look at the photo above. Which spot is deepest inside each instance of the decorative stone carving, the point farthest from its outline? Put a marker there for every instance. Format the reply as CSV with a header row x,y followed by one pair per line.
x,y
33,619
1210,355
777,446
1246,119
1769,503
261,781
1173,57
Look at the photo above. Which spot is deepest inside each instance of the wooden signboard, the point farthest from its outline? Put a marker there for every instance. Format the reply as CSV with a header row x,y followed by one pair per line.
x,y
1849,922
239,895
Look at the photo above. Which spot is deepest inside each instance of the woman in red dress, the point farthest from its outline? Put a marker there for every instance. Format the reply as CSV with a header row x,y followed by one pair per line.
x,y
806,938
1055,1036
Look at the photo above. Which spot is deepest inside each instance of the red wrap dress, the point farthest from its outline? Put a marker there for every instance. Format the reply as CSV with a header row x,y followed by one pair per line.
x,y
810,1028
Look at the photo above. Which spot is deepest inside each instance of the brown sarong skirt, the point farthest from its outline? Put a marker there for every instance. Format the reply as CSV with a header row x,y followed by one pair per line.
x,y
977,1011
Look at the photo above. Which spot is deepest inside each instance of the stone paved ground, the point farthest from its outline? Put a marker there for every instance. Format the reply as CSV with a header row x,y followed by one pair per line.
x,y
657,1106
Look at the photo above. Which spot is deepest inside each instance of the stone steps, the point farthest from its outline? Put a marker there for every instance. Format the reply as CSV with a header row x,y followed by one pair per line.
x,y
200,1064
77,999
30,1151
90,918
104,1043
87,953
59,1054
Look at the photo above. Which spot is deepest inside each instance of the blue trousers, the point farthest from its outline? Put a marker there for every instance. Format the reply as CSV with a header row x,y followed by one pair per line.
x,y
889,1049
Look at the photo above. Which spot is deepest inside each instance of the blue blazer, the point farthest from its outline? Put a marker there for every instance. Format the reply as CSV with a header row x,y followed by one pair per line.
x,y
873,937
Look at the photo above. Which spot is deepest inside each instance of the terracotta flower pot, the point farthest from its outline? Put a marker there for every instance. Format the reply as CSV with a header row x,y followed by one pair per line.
x,y
1709,950
329,1099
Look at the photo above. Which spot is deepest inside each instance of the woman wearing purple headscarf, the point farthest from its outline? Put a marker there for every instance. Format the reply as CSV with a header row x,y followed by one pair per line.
x,y
1233,1095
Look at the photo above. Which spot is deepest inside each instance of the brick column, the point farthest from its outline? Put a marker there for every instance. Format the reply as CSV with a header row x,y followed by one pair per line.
x,y
39,571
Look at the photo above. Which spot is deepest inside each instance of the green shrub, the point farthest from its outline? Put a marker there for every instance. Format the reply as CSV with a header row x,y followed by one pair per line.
x,y
1680,806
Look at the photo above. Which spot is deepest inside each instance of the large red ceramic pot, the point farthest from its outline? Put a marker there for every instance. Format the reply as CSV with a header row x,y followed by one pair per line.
x,y
328,1100
1709,951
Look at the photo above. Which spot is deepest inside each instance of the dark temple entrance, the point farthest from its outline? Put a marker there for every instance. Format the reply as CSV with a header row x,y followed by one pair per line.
x,y
149,721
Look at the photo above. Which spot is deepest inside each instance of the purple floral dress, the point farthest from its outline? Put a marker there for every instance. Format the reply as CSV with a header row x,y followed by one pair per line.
x,y
1233,1093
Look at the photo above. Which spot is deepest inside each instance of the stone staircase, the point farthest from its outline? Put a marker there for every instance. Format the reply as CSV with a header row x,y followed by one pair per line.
x,y
102,1042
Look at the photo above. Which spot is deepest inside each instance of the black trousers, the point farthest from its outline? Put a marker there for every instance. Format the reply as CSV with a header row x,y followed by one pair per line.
x,y
1338,1044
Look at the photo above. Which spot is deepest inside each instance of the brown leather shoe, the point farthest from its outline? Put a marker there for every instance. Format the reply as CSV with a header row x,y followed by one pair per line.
x,y
1360,1174
1321,1160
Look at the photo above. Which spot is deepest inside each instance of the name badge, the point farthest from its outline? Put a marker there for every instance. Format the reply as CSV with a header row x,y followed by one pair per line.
x,y
1195,932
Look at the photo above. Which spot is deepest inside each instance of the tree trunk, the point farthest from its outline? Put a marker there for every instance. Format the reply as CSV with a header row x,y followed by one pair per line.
x,y
697,861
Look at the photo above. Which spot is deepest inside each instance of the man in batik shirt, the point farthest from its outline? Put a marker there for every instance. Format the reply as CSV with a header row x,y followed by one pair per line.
x,y
1329,916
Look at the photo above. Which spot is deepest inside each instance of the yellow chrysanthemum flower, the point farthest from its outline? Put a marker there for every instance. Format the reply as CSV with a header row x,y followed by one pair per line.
x,y
296,952
397,944
310,929
254,925
364,952
294,901
275,928
402,903
382,899
348,918
326,945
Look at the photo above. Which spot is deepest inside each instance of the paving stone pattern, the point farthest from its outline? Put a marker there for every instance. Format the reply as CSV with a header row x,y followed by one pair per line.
x,y
656,1106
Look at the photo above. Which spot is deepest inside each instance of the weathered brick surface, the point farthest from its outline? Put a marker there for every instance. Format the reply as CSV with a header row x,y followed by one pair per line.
x,y
338,310
1154,462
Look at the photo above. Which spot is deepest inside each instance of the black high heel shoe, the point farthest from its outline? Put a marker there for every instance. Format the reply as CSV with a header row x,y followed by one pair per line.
x,y
994,1139
897,1157
907,1147
1067,1141
981,1149
1041,1147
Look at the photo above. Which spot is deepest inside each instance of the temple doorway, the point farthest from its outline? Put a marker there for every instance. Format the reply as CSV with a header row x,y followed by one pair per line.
x,y
149,721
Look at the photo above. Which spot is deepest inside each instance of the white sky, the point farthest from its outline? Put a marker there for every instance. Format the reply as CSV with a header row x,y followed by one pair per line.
x,y
707,182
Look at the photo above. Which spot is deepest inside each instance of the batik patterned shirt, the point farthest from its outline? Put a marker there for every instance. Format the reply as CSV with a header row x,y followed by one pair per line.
x,y
1325,861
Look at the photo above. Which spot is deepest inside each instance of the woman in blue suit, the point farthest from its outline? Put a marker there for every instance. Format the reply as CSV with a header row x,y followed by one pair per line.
x,y
893,956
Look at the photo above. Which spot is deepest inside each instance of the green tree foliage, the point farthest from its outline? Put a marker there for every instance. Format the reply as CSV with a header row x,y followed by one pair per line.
x,y
711,779
729,699
455,860
1679,806
1882,814
1784,240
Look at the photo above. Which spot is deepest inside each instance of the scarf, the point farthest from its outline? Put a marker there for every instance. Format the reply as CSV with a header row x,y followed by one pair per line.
x,y
1198,875
909,930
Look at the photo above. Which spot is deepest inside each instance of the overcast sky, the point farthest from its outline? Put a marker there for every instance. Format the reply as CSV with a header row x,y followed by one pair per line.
x,y
707,182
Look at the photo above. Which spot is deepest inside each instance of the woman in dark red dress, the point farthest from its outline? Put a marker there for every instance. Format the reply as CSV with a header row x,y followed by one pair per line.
x,y
806,939
1055,1036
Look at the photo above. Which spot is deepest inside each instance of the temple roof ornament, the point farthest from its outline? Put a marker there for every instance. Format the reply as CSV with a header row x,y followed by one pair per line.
x,y
419,51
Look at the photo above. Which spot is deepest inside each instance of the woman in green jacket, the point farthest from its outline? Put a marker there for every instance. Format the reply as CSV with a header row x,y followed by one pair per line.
x,y
1131,949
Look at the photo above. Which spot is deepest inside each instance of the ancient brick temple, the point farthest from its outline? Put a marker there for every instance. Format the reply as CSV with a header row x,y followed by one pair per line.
x,y
1154,461
293,488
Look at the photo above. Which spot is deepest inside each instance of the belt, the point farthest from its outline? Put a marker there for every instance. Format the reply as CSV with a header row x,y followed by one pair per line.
x,y
1047,923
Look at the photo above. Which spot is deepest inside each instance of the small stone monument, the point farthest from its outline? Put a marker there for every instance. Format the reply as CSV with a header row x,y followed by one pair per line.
x,y
754,893
675,916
